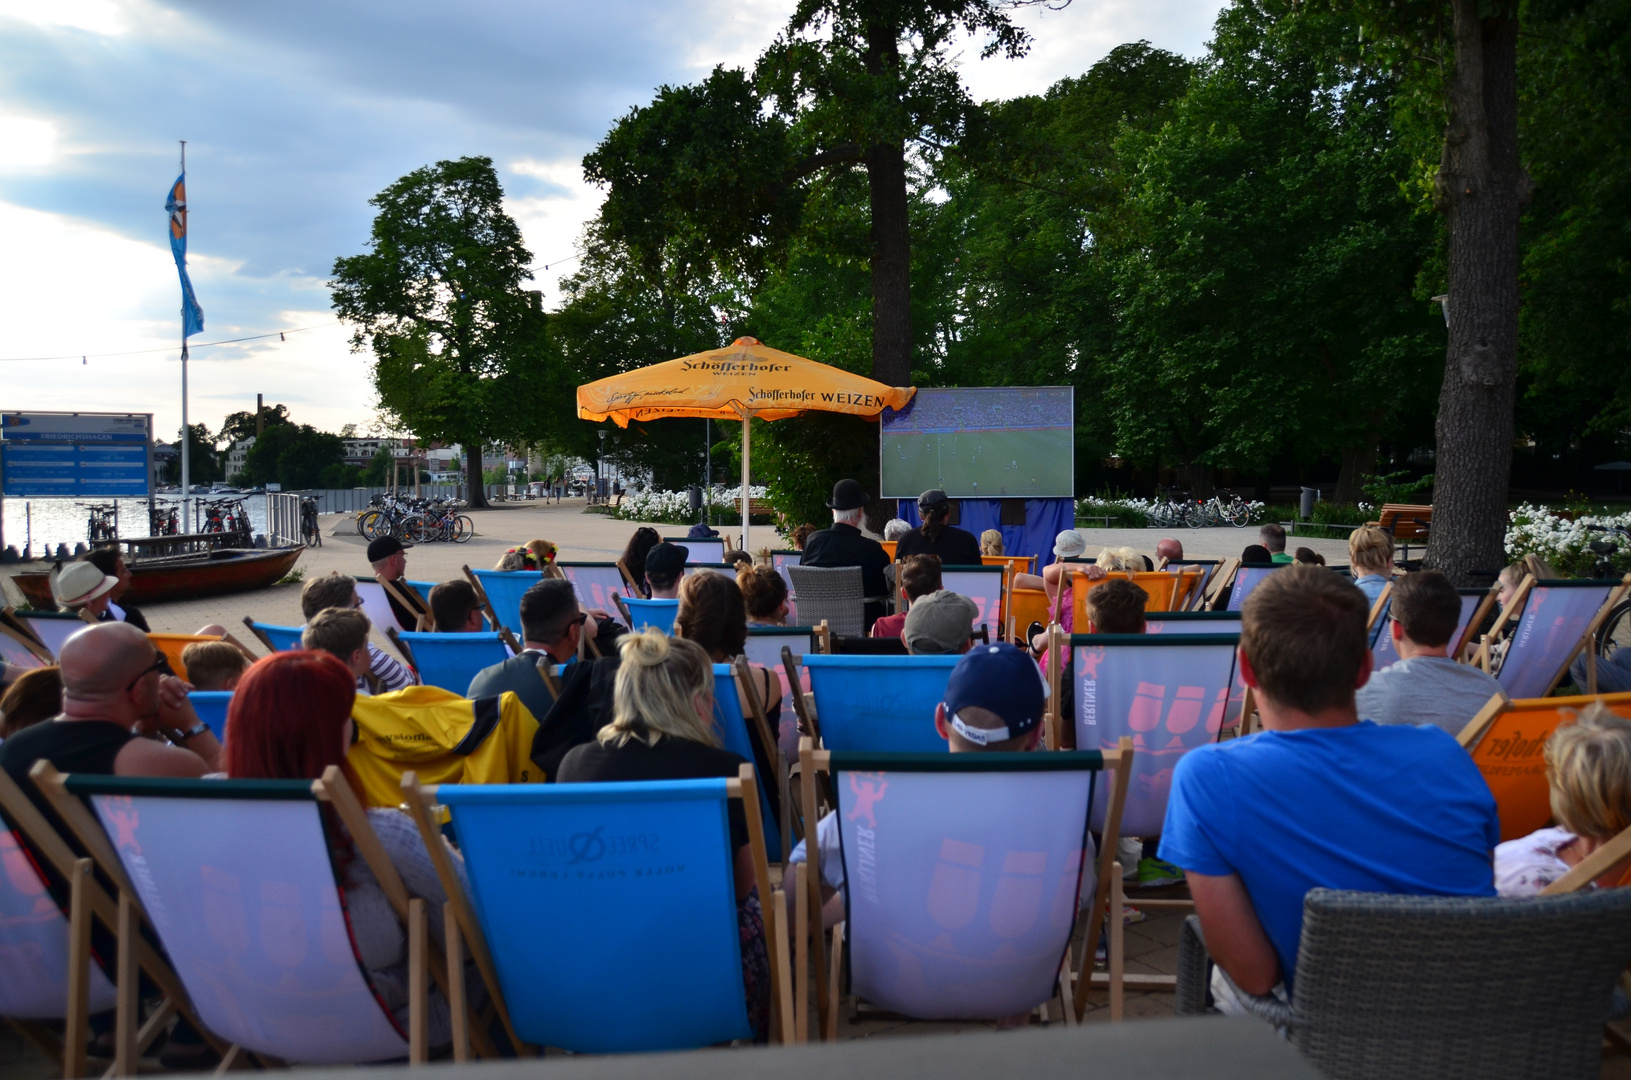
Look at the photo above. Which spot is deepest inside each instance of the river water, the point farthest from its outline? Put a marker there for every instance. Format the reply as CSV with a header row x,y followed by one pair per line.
x,y
65,521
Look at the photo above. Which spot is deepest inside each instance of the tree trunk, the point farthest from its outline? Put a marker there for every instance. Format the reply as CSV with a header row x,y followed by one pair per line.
x,y
472,474
891,265
1480,188
1358,462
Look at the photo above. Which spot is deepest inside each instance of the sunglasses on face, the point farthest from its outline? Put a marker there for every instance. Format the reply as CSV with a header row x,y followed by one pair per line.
x,y
156,665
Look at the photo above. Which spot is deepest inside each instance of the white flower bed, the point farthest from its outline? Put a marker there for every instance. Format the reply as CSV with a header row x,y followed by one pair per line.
x,y
1539,530
674,507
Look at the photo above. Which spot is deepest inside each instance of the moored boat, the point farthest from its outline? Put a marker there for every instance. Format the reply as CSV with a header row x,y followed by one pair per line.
x,y
183,577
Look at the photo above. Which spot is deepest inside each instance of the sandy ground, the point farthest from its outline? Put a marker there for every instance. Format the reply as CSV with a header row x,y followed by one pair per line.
x,y
581,536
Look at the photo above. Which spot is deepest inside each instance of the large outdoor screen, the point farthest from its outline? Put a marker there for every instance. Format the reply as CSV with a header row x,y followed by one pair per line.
x,y
990,442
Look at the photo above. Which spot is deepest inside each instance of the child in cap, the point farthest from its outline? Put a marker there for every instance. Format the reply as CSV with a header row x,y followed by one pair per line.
x,y
995,700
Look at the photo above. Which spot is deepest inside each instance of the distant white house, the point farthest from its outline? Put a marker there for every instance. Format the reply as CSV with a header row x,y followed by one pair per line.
x,y
237,456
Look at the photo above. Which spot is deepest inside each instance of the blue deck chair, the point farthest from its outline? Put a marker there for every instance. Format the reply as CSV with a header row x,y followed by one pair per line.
x,y
962,874
703,549
53,628
780,561
733,730
423,588
504,589
237,880
1192,622
545,856
1170,693
650,614
1475,604
1557,621
211,707
452,660
1247,578
879,704
277,638
984,586
598,584
764,646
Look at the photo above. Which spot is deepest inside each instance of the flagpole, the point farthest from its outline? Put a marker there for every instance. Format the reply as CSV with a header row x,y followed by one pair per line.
x,y
186,455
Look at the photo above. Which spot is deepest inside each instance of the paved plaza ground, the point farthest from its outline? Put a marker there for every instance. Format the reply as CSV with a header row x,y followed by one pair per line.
x,y
1151,943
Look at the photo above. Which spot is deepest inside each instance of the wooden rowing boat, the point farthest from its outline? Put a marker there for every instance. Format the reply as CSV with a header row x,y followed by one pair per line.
x,y
183,577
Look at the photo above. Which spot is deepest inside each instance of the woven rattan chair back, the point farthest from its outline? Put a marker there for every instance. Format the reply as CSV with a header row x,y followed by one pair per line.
x,y
831,593
1407,986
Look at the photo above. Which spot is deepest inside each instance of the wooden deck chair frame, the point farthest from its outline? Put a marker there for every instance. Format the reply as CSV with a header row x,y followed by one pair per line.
x,y
1376,610
332,789
402,596
1615,595
1223,578
487,607
756,716
19,633
121,917
808,878
464,930
628,578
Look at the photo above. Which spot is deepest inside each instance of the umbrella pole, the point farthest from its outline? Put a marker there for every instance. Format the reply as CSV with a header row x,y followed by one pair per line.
x,y
747,421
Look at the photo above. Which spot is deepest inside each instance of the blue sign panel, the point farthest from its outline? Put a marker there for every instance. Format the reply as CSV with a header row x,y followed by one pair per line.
x,y
71,455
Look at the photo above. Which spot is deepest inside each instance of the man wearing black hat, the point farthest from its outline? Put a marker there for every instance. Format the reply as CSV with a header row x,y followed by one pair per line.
x,y
843,545
390,562
956,547
665,566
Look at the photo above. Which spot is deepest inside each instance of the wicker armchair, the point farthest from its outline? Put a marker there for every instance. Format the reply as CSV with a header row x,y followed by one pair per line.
x,y
1409,986
832,593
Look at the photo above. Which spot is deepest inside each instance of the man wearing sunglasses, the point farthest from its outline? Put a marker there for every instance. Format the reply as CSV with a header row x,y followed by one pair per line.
x,y
115,690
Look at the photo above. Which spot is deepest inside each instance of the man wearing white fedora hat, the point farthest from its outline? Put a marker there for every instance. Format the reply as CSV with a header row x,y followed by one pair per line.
x,y
83,587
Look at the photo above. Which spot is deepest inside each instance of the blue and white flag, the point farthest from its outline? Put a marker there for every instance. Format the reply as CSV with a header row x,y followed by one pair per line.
x,y
192,316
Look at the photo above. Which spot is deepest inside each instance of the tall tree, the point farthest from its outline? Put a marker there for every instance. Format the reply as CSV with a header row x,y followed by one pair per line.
x,y
460,346
241,425
201,454
861,81
1460,59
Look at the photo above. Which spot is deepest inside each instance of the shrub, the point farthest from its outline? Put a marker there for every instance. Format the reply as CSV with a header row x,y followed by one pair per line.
x,y
1539,530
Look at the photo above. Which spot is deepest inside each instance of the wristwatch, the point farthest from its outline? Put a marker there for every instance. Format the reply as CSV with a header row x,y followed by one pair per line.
x,y
179,737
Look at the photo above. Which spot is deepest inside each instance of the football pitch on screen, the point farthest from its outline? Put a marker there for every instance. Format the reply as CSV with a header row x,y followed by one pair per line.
x,y
1032,464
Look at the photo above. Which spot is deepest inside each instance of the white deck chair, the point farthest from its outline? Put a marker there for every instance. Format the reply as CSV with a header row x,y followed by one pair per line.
x,y
1558,620
53,628
1475,604
1248,578
703,549
598,584
1168,694
982,584
961,877
237,880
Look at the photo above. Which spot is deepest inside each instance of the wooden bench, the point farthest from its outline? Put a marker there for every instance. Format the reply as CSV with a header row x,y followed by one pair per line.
x,y
756,508
1405,523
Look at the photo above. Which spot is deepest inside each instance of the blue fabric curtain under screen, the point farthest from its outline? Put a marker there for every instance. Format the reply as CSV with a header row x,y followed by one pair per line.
x,y
1044,519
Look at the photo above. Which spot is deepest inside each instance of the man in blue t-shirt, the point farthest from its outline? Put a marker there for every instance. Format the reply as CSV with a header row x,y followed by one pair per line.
x,y
1320,798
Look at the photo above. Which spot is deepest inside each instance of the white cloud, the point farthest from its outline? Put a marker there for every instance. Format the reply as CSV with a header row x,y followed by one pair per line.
x,y
552,221
107,17
26,143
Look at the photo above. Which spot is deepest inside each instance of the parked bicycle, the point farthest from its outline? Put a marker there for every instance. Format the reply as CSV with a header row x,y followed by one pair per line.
x,y
309,532
1223,508
103,522
164,521
1169,509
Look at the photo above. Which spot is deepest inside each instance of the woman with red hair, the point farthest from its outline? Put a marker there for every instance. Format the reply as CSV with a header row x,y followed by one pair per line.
x,y
290,719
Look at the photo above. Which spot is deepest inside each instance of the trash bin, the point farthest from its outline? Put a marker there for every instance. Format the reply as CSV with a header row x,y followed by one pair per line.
x,y
1307,508
695,493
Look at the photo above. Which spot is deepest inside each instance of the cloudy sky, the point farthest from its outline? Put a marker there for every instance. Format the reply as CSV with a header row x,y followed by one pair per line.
x,y
296,113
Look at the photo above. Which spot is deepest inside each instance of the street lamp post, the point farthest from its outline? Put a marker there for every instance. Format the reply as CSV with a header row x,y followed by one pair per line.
x,y
600,463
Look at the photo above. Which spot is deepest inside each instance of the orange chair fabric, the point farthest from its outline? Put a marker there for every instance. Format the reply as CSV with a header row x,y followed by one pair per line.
x,y
1509,751
172,644
1167,592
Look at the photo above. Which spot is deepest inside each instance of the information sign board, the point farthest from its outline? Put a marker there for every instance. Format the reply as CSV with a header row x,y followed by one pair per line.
x,y
76,455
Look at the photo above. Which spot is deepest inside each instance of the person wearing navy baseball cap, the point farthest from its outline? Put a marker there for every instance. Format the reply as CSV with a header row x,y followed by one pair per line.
x,y
995,700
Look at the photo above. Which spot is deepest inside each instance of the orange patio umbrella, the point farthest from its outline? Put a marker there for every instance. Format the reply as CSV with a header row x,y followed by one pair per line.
x,y
743,380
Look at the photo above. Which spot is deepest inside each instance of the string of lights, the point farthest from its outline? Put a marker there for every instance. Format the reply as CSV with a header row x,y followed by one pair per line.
x,y
281,335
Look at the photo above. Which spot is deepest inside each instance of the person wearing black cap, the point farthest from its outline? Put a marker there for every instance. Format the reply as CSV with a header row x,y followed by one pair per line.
x,y
994,701
388,557
956,547
665,565
843,545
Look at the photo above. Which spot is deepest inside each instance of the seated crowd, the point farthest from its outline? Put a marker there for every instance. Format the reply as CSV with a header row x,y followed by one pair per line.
x,y
1355,781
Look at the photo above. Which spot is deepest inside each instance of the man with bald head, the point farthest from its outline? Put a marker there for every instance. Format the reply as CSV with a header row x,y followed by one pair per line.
x,y
120,716
1169,549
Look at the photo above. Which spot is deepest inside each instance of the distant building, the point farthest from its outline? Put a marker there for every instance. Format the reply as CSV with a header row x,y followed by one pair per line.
x,y
360,452
237,456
